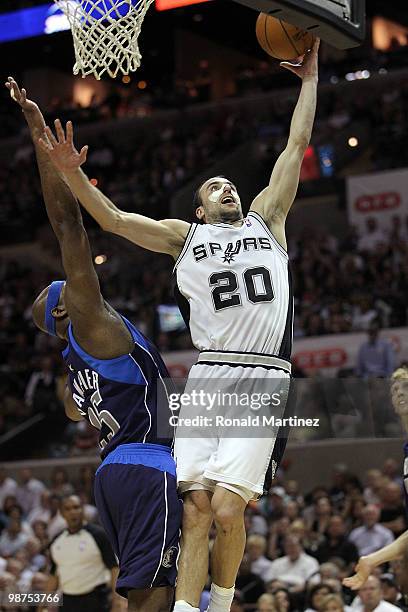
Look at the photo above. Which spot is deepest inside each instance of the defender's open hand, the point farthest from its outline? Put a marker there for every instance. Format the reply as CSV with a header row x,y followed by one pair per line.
x,y
20,96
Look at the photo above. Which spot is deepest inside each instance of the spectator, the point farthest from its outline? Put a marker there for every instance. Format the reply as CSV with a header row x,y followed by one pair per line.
x,y
56,522
12,539
333,603
393,514
282,599
260,565
42,511
295,568
373,236
250,586
266,603
29,491
391,592
8,486
16,512
34,560
273,505
392,470
371,536
40,532
59,483
370,598
336,544
376,357
323,511
375,480
316,595
41,388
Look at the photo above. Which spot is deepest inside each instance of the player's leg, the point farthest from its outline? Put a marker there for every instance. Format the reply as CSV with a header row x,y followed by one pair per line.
x,y
226,556
141,513
150,600
194,556
193,448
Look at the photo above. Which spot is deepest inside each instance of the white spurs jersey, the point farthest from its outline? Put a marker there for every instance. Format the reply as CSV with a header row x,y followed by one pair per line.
x,y
233,288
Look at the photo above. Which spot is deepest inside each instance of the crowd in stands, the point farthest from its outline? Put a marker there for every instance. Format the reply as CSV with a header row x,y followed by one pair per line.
x,y
300,545
344,285
143,174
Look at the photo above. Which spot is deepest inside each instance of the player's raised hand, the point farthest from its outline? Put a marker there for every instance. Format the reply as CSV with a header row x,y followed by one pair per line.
x,y
307,67
61,149
20,96
363,569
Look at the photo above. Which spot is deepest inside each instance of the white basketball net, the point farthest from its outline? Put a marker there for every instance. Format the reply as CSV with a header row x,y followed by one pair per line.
x,y
105,34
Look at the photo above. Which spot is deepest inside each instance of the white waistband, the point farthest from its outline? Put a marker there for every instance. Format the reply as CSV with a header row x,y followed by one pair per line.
x,y
246,359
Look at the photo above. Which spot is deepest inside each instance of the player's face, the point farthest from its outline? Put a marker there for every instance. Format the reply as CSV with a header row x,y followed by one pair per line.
x,y
221,201
399,395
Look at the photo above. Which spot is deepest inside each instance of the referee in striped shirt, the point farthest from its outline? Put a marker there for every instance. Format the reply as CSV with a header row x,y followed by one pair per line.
x,y
83,565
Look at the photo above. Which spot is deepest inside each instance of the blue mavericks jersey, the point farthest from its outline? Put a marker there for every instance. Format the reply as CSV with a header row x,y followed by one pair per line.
x,y
123,397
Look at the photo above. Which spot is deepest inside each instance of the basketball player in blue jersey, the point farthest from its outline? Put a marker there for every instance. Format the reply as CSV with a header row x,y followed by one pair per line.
x,y
399,548
116,382
234,291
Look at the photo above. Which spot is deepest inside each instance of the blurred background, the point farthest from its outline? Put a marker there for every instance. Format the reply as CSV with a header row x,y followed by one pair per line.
x,y
208,100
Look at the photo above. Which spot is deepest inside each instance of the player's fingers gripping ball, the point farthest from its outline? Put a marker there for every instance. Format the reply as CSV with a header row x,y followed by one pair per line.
x,y
282,40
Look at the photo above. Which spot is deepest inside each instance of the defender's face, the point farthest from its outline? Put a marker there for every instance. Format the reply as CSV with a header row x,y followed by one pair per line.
x,y
221,201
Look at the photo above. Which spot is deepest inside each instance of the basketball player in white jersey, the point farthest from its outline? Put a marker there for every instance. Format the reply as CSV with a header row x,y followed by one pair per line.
x,y
234,290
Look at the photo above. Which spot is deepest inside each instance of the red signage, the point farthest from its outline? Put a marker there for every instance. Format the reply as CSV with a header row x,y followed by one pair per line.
x,y
164,5
378,202
321,358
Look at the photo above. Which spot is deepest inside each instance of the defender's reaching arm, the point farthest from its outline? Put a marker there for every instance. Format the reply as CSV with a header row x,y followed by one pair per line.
x,y
97,329
274,202
366,565
399,548
165,236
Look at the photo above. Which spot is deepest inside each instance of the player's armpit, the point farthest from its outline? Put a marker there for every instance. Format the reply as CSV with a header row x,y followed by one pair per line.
x,y
165,236
271,216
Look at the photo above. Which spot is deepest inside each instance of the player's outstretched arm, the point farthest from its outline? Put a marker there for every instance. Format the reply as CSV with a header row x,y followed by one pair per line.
x,y
366,565
82,296
274,202
160,236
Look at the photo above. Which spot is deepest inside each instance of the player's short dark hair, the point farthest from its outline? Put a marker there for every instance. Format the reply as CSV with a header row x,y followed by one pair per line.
x,y
197,200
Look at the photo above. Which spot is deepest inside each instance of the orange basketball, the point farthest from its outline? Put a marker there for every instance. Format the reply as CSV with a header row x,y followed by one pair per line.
x,y
282,40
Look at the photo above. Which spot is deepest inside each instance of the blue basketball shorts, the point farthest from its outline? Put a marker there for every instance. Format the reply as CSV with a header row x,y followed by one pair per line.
x,y
140,510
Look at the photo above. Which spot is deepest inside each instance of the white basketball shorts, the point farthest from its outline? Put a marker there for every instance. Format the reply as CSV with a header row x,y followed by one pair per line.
x,y
217,451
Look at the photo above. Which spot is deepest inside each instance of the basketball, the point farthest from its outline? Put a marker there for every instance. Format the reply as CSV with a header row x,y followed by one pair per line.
x,y
282,40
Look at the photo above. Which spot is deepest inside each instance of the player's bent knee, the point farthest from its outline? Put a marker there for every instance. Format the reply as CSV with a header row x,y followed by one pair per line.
x,y
197,513
228,510
228,518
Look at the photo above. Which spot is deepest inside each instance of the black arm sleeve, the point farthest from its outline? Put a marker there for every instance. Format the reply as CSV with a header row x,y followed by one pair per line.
x,y
103,544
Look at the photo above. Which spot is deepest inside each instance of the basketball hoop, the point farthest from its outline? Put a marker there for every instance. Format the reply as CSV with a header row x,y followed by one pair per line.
x,y
105,34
